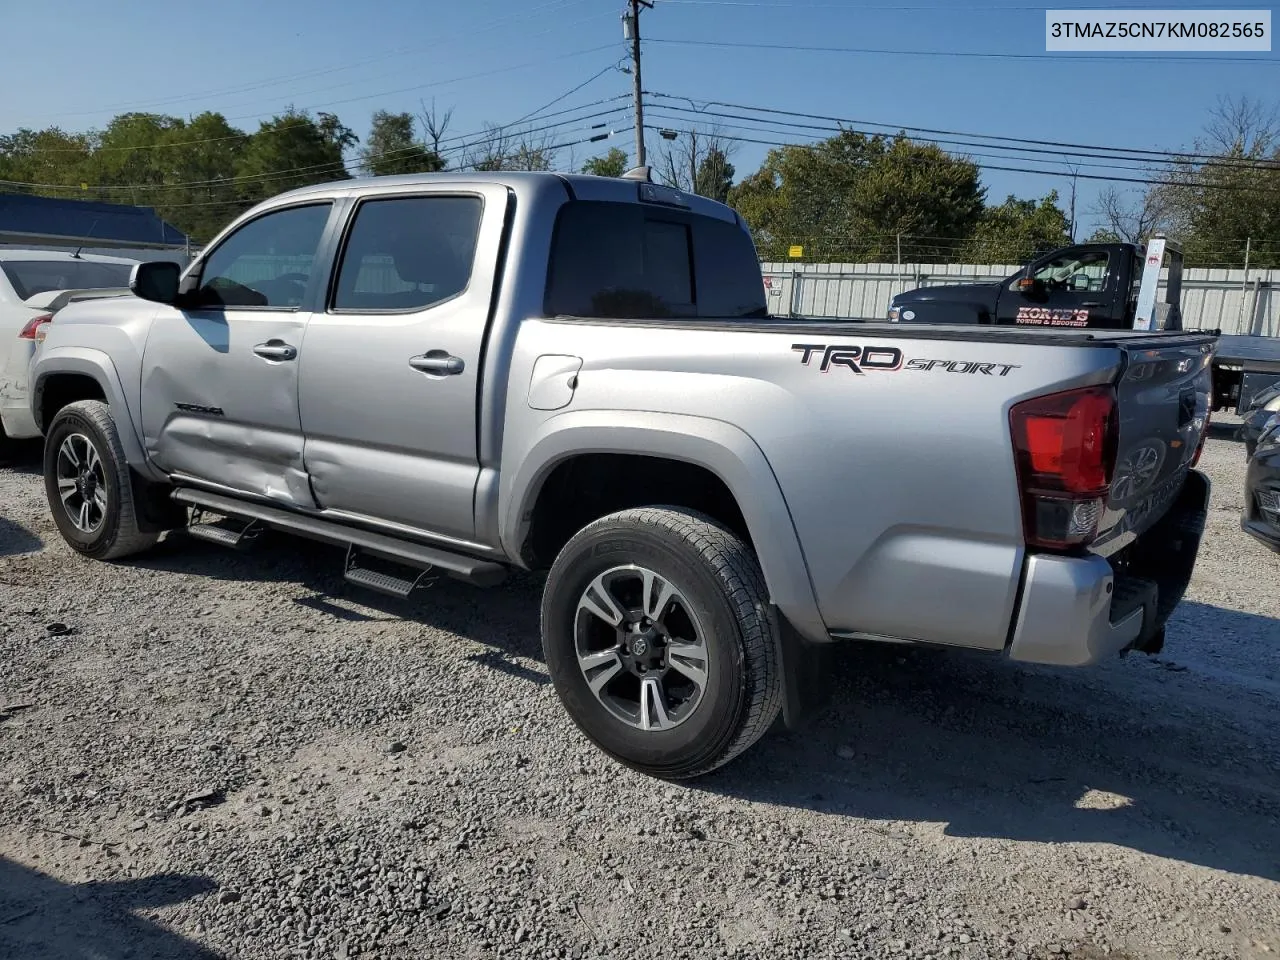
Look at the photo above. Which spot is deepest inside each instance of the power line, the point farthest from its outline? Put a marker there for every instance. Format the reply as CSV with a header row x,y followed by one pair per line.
x,y
989,166
796,48
1082,147
492,137
564,96
685,113
550,148
534,12
302,123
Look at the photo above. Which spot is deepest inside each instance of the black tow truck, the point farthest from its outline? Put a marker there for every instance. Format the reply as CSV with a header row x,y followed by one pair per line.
x,y
1103,286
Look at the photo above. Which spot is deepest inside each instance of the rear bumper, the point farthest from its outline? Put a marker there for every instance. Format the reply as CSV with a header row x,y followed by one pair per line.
x,y
15,407
1262,483
1077,611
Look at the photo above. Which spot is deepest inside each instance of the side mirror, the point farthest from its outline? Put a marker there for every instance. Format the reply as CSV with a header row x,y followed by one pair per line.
x,y
1028,285
157,280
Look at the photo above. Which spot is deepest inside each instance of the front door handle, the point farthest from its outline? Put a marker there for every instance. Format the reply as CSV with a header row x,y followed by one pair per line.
x,y
438,362
1091,303
276,350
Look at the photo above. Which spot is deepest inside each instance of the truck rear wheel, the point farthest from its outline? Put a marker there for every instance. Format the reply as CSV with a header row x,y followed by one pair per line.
x,y
88,484
661,642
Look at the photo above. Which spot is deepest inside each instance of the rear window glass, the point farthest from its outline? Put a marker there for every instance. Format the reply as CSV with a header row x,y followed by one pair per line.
x,y
630,260
32,277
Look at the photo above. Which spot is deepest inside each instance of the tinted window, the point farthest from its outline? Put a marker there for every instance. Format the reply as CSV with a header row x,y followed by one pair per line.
x,y
628,260
1078,271
267,262
408,253
32,277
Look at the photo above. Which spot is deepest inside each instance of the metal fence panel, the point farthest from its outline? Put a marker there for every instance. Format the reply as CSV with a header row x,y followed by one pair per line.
x,y
1228,300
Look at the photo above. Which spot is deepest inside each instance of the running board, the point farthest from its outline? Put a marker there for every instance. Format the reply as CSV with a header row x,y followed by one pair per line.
x,y
482,573
223,536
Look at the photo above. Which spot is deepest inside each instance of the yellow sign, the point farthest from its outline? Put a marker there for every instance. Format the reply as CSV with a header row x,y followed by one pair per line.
x,y
796,252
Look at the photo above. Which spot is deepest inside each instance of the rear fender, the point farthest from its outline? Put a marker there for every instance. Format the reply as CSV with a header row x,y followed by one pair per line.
x,y
724,450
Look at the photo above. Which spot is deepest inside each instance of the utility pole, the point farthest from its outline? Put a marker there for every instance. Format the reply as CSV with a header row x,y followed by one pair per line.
x,y
631,30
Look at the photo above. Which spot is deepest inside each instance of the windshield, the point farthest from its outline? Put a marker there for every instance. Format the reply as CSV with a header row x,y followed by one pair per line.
x,y
32,277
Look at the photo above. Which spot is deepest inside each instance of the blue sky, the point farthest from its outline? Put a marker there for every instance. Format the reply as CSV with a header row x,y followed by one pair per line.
x,y
496,60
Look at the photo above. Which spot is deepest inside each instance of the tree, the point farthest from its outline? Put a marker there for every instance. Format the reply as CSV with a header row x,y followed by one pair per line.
x,y
850,198
1231,202
293,150
612,164
1017,231
435,125
1132,221
714,178
697,161
502,149
393,148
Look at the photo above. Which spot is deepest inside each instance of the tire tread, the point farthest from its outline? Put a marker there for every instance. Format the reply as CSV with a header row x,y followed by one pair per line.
x,y
128,539
742,582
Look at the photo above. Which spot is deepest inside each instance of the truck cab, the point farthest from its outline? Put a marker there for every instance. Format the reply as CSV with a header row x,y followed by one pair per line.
x,y
1088,285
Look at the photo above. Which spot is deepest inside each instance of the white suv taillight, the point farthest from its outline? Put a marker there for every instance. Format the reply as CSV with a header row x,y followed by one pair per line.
x,y
35,328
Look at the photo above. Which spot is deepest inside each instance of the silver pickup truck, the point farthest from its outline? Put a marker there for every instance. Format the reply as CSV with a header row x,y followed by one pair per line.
x,y
464,374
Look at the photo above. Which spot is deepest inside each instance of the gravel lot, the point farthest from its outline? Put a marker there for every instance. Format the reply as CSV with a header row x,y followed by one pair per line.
x,y
237,755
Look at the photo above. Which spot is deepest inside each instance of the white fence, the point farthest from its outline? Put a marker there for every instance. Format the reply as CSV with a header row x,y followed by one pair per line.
x,y
1211,299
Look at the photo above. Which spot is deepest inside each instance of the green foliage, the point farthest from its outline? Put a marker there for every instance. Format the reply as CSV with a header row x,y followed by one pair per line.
x,y
849,197
715,175
292,150
612,164
1017,231
393,148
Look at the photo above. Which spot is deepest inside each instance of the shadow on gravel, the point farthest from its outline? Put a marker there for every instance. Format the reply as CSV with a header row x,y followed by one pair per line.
x,y
16,539
44,919
1136,753
24,456
504,618
1224,431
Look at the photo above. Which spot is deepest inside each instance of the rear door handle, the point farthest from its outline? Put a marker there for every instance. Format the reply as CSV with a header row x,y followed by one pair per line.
x,y
438,362
276,350
1092,303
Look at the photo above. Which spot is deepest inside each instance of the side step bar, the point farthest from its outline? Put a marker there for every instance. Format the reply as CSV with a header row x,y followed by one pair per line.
x,y
482,573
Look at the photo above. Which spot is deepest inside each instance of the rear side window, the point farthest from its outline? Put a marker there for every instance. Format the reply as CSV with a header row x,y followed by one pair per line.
x,y
32,277
630,261
408,253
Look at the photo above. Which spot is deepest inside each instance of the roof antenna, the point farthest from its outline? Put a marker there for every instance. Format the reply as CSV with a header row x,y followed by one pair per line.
x,y
93,226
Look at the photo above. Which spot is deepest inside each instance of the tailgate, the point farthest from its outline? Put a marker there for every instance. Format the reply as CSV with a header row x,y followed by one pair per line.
x,y
1164,397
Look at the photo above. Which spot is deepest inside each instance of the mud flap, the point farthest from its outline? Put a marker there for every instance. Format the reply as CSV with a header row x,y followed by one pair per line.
x,y
1165,556
806,676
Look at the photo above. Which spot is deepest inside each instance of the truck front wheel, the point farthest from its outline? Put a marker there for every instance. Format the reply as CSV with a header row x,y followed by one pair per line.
x,y
661,642
88,484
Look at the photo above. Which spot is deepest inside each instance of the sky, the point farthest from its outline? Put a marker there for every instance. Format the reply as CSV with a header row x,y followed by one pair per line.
x,y
494,61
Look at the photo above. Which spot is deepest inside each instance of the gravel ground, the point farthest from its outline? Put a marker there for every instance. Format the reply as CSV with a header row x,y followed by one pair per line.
x,y
207,754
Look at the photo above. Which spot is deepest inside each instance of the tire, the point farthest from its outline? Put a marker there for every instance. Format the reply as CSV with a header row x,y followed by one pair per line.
x,y
85,432
718,598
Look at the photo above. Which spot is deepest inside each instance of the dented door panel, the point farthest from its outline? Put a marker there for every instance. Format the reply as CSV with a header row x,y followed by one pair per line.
x,y
214,410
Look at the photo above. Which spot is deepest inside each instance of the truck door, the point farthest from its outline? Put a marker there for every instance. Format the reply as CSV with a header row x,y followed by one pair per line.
x,y
1073,288
391,367
220,377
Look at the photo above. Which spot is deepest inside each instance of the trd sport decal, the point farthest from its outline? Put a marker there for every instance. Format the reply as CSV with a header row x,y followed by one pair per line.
x,y
1052,316
890,359
857,359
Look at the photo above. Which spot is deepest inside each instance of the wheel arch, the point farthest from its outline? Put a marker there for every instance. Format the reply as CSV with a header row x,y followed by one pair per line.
x,y
67,374
717,449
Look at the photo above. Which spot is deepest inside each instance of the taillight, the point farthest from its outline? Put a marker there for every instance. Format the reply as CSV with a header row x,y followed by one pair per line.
x,y
1065,448
29,331
1204,435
